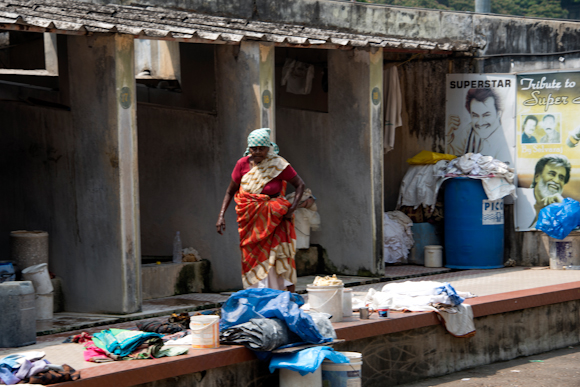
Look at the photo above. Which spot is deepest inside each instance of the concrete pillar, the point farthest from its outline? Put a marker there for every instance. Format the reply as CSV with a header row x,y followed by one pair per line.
x,y
339,155
50,53
267,87
376,124
245,101
104,263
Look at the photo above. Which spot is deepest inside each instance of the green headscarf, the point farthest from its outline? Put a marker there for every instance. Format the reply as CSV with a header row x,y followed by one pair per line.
x,y
261,137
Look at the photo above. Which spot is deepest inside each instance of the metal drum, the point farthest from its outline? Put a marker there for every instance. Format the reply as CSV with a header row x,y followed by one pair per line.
x,y
474,226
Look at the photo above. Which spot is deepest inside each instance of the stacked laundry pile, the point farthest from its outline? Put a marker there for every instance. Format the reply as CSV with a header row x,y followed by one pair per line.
x,y
264,319
397,236
31,368
123,344
497,178
421,183
421,296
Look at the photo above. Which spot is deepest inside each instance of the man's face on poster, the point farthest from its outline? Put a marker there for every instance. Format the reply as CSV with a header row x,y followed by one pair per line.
x,y
530,127
549,124
485,119
551,181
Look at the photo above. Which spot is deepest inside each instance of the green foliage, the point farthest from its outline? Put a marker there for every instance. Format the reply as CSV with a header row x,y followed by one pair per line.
x,y
532,8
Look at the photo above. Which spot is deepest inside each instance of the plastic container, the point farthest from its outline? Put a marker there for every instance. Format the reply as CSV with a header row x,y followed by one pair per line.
x,y
347,302
204,331
424,234
18,322
40,278
343,375
177,258
44,306
474,226
28,248
433,256
326,299
7,271
290,378
383,311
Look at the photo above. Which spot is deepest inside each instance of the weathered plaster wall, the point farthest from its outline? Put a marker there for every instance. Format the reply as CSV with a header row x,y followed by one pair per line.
x,y
423,89
37,167
408,356
507,36
186,159
332,153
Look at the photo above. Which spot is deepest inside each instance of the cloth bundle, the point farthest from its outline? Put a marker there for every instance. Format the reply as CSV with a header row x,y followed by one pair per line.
x,y
297,76
121,344
397,236
29,367
422,296
259,334
252,303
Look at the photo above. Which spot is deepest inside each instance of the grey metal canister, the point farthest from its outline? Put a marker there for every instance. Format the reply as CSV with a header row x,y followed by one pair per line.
x,y
28,248
18,322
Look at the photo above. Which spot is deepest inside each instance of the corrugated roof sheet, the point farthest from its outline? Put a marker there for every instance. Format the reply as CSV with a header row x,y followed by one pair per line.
x,y
74,17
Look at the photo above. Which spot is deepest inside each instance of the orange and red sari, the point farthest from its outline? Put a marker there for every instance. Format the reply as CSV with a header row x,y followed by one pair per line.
x,y
267,240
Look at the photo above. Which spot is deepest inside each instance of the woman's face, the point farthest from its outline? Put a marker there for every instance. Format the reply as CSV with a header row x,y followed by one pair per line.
x,y
259,153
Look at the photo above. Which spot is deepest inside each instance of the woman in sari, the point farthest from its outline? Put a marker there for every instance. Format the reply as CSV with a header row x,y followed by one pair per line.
x,y
265,222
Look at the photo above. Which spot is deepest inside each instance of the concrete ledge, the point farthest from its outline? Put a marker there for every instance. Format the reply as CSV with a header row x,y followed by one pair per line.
x,y
169,279
527,322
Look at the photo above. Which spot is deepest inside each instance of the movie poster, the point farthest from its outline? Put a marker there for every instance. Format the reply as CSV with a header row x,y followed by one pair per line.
x,y
480,115
547,137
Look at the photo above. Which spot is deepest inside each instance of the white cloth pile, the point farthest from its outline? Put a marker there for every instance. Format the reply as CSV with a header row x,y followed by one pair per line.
x,y
422,296
306,218
397,236
497,178
421,184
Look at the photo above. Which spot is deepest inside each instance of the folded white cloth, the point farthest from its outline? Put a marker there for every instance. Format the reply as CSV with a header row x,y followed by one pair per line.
x,y
460,323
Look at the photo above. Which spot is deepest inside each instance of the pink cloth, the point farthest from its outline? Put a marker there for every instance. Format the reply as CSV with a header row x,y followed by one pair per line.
x,y
273,187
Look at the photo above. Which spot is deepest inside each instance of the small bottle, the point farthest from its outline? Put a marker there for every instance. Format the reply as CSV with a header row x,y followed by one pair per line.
x,y
177,249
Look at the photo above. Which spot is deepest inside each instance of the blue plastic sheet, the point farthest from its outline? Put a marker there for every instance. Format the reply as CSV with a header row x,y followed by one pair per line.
x,y
306,361
269,303
558,219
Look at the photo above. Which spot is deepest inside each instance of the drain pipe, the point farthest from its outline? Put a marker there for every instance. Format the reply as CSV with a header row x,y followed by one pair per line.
x,y
483,6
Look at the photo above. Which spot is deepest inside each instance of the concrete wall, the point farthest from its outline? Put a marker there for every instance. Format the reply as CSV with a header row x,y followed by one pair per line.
x,y
332,153
423,88
37,167
409,356
186,158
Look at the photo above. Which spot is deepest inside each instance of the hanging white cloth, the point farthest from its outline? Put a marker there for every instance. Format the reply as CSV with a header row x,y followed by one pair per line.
x,y
393,106
297,76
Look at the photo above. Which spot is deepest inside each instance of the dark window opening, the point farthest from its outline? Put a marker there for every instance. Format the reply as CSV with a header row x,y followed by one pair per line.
x,y
317,99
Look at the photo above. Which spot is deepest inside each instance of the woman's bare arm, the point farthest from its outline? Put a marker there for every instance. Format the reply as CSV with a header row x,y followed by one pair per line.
x,y
230,192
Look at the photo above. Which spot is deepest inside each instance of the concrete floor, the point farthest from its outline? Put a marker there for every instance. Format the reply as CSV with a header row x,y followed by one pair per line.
x,y
479,282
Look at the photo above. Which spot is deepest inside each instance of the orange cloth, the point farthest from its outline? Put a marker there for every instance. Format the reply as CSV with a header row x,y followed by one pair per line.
x,y
266,239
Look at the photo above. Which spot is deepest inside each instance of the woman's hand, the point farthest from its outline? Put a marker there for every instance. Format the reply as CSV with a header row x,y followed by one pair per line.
x,y
288,215
221,224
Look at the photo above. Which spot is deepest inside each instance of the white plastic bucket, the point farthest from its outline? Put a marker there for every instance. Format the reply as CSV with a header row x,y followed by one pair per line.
x,y
343,374
40,278
433,256
44,306
290,378
326,299
204,331
347,302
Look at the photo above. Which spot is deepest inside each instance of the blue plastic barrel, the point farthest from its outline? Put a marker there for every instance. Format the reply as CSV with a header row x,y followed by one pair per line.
x,y
474,226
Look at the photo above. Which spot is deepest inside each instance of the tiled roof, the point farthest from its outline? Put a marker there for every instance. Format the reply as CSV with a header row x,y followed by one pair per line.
x,y
75,17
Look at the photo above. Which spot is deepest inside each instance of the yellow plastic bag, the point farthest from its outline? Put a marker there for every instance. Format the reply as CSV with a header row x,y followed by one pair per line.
x,y
426,157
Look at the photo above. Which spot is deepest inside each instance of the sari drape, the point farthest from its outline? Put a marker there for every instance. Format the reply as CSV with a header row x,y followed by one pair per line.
x,y
267,240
